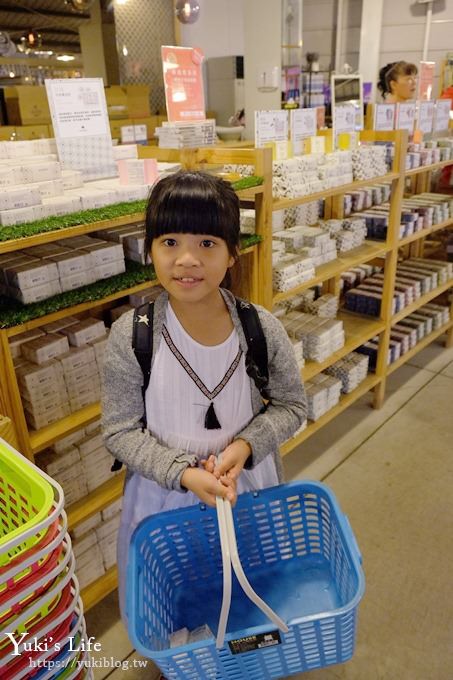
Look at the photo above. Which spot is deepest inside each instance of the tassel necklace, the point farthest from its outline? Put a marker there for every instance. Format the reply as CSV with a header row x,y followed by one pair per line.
x,y
211,421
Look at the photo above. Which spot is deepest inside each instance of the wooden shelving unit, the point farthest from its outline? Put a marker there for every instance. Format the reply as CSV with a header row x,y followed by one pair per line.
x,y
257,272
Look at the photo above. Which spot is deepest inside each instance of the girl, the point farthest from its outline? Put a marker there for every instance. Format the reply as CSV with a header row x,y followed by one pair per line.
x,y
398,82
192,227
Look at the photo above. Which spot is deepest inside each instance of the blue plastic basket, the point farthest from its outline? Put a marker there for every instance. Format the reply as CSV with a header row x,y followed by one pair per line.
x,y
299,554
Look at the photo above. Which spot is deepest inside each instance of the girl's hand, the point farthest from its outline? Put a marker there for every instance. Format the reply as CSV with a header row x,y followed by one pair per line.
x,y
209,463
233,460
206,486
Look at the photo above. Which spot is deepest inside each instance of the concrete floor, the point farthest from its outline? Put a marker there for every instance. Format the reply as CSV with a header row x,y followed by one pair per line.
x,y
392,472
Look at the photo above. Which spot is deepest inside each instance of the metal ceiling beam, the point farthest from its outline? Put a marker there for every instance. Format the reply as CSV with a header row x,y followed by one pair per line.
x,y
14,9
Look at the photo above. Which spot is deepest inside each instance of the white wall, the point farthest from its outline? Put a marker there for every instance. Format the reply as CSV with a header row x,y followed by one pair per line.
x,y
403,33
219,30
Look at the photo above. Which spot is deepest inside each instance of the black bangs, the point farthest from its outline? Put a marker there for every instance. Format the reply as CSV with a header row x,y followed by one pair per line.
x,y
193,203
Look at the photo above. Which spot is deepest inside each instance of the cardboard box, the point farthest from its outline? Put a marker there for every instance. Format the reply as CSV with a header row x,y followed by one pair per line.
x,y
80,376
58,325
53,463
116,125
27,105
76,357
151,123
108,269
17,340
84,543
37,421
84,331
137,97
49,384
89,524
7,132
32,131
86,392
31,274
108,527
42,406
106,252
68,441
9,218
43,349
71,262
116,100
36,293
12,198
112,509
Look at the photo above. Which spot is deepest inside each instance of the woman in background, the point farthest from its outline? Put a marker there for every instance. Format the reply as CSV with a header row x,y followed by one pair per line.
x,y
398,82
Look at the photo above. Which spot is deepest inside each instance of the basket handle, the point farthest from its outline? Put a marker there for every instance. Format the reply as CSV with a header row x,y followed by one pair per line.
x,y
352,538
226,525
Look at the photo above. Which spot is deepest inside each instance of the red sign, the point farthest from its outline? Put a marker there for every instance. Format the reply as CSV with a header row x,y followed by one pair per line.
x,y
426,80
183,82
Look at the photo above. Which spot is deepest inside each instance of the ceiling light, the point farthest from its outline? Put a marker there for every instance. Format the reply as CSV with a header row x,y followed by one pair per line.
x,y
65,57
12,74
125,51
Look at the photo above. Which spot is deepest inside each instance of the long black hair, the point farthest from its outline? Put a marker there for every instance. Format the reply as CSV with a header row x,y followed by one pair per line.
x,y
189,202
391,72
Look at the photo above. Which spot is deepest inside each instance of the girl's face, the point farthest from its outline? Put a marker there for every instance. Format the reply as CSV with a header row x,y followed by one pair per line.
x,y
404,87
190,267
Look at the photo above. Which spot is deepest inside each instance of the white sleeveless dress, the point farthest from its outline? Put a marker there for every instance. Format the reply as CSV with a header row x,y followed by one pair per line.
x,y
175,412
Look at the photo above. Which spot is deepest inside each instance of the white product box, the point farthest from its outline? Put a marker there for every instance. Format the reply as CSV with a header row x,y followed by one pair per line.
x,y
33,376
85,392
77,280
109,527
109,552
38,421
90,444
78,378
31,274
97,463
41,405
71,476
80,400
9,218
123,151
36,293
37,392
68,441
43,349
93,482
71,262
89,566
72,179
88,525
54,463
76,357
6,176
46,250
91,199
61,205
105,271
133,192
84,331
40,172
17,340
94,427
57,326
112,509
84,543
19,197
105,252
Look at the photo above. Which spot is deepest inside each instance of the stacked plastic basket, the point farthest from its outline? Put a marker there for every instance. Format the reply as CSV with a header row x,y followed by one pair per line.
x,y
42,628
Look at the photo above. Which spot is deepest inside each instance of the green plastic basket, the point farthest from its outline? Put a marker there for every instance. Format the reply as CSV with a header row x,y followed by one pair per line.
x,y
26,500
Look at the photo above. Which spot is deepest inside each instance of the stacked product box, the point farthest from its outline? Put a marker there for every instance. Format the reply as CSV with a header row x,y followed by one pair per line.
x,y
49,269
366,197
351,370
146,295
405,335
320,337
369,161
352,277
291,271
323,393
347,233
132,238
247,221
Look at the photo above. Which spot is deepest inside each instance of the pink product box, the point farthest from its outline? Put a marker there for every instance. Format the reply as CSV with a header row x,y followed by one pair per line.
x,y
138,171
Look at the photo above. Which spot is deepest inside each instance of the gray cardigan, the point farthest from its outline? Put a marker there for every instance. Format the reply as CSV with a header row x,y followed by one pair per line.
x,y
122,401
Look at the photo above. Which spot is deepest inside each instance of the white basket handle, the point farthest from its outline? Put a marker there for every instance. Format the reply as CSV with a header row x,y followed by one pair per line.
x,y
230,552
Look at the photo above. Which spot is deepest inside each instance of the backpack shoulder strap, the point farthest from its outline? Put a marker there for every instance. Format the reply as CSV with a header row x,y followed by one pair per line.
x,y
256,360
142,339
142,344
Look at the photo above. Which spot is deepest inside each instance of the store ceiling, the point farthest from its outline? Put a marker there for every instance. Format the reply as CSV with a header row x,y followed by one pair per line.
x,y
56,20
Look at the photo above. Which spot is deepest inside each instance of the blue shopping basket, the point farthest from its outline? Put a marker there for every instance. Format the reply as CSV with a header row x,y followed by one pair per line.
x,y
300,556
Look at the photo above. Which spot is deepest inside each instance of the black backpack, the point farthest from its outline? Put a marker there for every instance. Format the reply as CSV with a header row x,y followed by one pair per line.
x,y
256,359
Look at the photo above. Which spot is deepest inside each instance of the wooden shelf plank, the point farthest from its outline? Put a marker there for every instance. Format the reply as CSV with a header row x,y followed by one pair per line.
x,y
428,168
418,347
282,203
357,331
345,401
423,300
67,232
96,591
425,232
97,500
40,439
367,251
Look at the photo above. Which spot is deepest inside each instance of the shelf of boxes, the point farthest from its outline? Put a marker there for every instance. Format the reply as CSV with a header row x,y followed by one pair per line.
x,y
419,346
367,251
427,168
356,329
446,224
423,300
105,494
346,400
68,232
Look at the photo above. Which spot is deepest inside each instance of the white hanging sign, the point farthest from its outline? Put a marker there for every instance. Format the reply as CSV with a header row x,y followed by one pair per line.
x,y
270,126
442,115
405,116
425,116
384,117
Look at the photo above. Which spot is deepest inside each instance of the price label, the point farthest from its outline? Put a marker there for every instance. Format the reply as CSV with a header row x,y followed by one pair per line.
x,y
384,117
302,125
405,116
442,115
425,116
270,126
